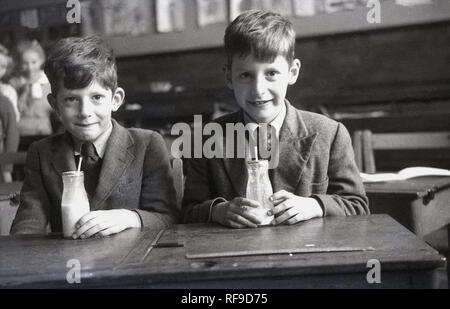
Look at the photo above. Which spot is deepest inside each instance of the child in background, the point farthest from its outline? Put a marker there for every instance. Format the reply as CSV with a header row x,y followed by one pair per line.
x,y
6,65
32,87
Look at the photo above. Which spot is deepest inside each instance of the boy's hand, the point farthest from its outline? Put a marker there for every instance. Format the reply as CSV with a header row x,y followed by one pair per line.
x,y
235,213
105,222
290,208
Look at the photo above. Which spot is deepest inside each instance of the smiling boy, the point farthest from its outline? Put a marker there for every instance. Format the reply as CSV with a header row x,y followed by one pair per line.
x,y
128,178
316,174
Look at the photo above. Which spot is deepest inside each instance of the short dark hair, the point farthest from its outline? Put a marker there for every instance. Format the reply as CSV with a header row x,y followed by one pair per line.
x,y
76,62
264,34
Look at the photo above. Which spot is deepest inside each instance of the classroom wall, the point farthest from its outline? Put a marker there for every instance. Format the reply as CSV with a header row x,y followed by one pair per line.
x,y
195,37
385,80
361,71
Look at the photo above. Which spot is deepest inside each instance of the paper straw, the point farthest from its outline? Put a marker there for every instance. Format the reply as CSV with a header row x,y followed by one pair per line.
x,y
79,164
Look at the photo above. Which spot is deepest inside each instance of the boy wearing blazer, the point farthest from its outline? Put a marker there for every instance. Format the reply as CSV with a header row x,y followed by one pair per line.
x,y
316,174
128,178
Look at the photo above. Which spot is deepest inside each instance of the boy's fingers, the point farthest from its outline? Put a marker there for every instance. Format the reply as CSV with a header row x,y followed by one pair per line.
x,y
235,225
295,219
280,195
248,215
245,212
87,217
86,227
95,229
287,215
241,220
242,201
111,230
280,208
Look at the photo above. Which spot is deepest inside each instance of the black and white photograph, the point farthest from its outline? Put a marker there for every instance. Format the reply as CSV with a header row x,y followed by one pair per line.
x,y
224,151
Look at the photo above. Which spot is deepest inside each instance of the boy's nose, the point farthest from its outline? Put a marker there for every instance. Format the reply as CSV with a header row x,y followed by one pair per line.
x,y
85,108
259,87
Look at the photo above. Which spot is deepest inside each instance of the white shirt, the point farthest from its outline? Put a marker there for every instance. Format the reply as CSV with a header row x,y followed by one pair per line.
x,y
99,144
276,123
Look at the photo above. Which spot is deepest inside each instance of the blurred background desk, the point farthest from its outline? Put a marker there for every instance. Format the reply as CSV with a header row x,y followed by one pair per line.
x,y
8,207
421,204
228,258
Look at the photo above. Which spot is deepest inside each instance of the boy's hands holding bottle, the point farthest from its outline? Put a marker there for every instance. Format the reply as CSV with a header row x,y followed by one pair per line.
x,y
235,213
290,208
105,223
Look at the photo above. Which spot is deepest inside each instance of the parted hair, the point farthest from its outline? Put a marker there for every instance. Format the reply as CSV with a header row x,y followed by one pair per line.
x,y
263,34
76,62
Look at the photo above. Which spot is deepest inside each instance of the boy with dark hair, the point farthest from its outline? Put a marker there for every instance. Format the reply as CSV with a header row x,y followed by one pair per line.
x,y
127,171
316,174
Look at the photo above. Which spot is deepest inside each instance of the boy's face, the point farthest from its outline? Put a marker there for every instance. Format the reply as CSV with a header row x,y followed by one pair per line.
x,y
260,87
86,112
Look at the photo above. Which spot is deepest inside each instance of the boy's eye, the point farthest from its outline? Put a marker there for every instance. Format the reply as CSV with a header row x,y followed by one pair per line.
x,y
244,75
70,100
272,73
97,97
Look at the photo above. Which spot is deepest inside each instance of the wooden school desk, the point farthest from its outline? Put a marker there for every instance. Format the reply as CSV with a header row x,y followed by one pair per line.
x,y
420,204
8,191
328,252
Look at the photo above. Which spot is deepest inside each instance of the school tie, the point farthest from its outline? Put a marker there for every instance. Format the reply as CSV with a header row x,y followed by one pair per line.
x,y
263,134
91,166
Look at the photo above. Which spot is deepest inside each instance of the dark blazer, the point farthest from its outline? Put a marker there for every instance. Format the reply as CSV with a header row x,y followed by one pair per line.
x,y
135,175
316,159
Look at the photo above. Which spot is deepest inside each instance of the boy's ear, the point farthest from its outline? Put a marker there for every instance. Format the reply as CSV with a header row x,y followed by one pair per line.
x,y
294,71
226,69
117,99
52,101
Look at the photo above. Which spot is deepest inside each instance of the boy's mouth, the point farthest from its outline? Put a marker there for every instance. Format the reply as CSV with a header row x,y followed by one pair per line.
x,y
84,125
258,102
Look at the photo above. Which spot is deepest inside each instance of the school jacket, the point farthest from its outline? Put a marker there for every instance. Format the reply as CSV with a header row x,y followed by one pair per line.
x,y
316,159
135,175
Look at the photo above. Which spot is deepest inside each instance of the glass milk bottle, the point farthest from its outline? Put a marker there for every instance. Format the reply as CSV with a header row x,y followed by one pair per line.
x,y
260,189
74,202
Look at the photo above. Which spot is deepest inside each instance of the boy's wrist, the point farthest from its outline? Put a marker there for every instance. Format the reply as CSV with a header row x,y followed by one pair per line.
x,y
320,207
213,203
215,215
134,219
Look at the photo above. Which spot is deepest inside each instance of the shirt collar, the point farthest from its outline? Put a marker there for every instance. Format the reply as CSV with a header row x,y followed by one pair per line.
x,y
99,144
277,122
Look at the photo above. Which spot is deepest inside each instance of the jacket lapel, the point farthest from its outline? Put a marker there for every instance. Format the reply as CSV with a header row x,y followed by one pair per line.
x,y
295,148
62,157
116,160
296,143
